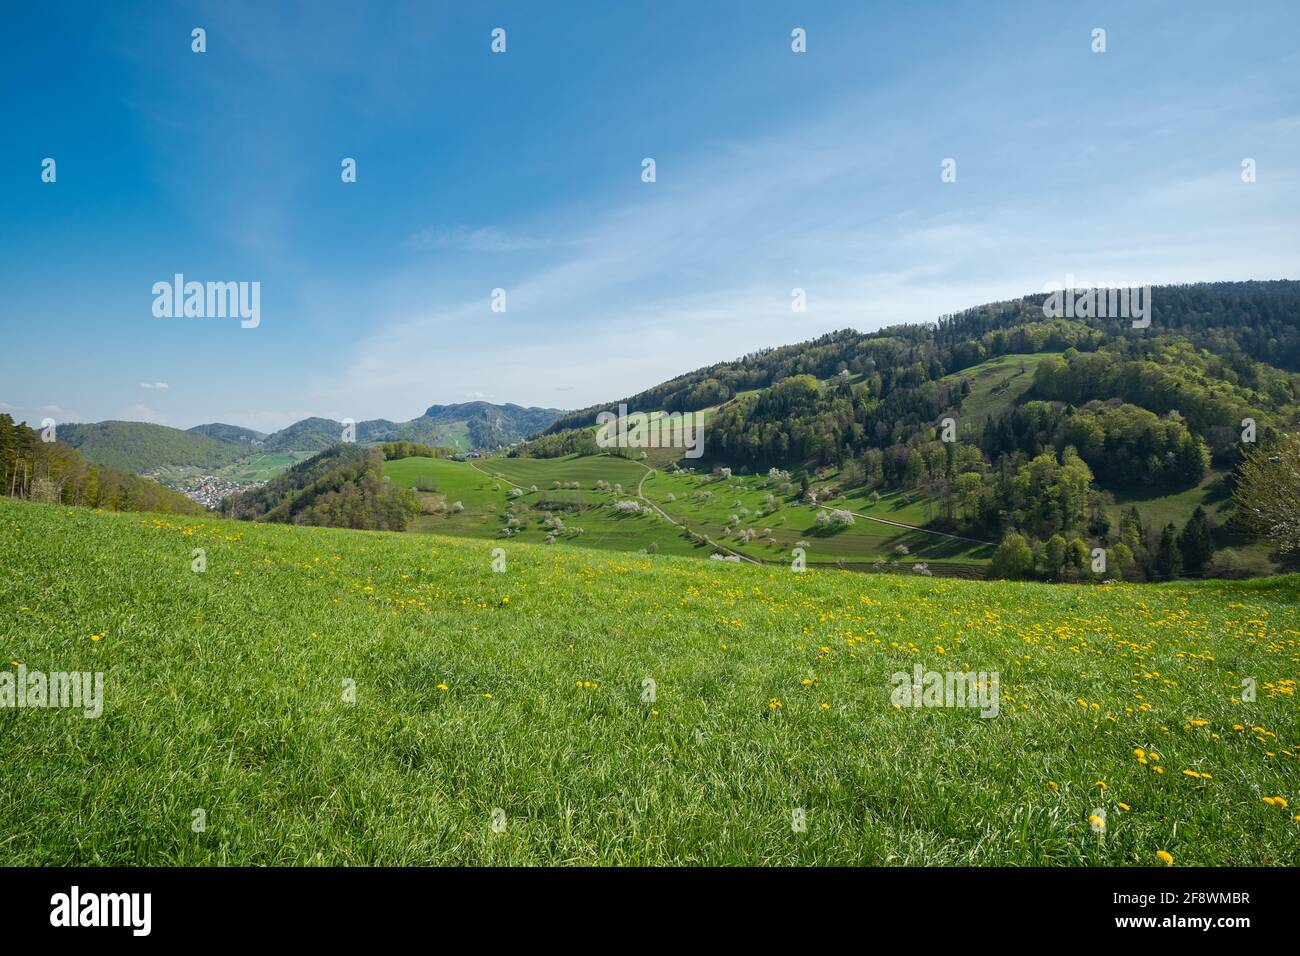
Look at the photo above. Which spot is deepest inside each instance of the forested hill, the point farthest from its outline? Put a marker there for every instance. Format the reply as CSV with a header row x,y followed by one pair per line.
x,y
1011,423
342,487
54,472
232,433
1238,322
143,447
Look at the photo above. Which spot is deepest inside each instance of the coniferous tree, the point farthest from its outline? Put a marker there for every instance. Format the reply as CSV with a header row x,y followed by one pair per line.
x,y
1169,560
1196,543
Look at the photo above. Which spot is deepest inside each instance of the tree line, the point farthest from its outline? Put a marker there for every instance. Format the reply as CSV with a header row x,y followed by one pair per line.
x,y
342,487
53,472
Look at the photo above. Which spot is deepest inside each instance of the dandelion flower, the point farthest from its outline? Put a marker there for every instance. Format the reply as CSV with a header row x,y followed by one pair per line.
x,y
1165,857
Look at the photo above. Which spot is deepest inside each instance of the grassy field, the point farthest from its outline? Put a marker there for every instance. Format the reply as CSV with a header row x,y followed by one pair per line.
x,y
263,466
519,697
701,502
707,503
483,488
995,385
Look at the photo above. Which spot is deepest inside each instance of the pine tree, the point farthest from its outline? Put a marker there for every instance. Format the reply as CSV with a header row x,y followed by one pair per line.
x,y
1169,561
1196,544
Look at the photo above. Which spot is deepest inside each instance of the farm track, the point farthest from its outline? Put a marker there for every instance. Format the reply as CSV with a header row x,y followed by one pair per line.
x,y
911,527
671,520
954,569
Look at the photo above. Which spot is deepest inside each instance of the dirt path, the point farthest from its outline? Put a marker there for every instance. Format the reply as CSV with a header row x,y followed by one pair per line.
x,y
475,466
909,527
675,523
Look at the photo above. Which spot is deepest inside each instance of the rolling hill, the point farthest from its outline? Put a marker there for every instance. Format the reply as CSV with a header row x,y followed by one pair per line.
x,y
335,697
1004,420
472,426
912,447
230,433
234,451
141,447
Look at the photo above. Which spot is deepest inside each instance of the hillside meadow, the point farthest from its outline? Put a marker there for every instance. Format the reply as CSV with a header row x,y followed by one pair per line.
x,y
339,697
767,526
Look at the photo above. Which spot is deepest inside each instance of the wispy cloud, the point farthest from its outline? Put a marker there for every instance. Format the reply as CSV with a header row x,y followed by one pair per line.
x,y
484,239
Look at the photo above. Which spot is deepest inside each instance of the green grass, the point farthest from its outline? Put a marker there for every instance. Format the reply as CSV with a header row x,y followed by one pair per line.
x,y
996,385
861,545
587,469
262,466
483,487
1158,509
224,692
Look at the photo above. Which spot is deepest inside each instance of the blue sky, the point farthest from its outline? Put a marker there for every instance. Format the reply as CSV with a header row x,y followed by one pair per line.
x,y
522,171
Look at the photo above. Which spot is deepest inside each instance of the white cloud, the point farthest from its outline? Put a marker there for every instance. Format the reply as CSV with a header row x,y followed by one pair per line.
x,y
161,385
484,239
140,413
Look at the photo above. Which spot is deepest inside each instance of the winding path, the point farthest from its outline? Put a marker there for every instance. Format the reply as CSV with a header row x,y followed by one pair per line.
x,y
675,523
909,527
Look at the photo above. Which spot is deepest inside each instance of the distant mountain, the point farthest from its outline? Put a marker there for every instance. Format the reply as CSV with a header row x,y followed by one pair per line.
x,y
141,447
490,426
310,434
470,426
231,433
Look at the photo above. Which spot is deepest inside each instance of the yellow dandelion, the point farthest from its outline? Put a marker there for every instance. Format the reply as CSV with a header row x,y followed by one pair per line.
x,y
1165,857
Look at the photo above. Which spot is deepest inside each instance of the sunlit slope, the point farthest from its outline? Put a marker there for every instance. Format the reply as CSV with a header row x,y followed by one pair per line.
x,y
525,691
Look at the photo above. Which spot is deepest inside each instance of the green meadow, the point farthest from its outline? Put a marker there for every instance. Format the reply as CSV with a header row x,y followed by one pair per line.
x,y
768,523
341,697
